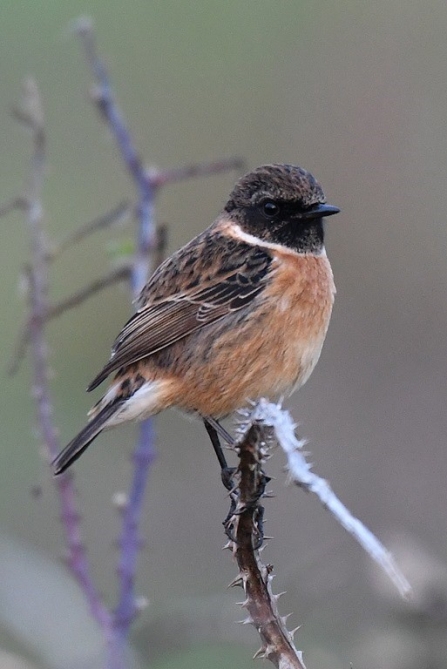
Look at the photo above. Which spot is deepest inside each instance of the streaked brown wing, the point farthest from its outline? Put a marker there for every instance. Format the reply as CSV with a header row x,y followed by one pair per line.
x,y
183,296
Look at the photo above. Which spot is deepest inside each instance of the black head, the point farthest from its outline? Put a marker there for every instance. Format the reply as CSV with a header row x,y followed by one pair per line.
x,y
282,204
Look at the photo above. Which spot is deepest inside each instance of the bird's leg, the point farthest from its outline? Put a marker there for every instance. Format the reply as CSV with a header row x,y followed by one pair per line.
x,y
221,431
214,429
212,433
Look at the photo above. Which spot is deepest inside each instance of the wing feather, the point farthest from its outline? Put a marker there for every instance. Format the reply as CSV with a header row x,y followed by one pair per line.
x,y
182,297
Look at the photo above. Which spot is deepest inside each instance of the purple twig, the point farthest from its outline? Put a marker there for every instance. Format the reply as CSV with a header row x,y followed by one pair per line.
x,y
147,184
170,176
116,215
130,541
115,625
104,99
30,113
144,453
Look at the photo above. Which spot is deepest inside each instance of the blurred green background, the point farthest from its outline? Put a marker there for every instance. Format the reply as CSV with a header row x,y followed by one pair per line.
x,y
356,92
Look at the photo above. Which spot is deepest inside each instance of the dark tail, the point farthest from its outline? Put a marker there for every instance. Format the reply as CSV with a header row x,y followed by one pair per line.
x,y
78,445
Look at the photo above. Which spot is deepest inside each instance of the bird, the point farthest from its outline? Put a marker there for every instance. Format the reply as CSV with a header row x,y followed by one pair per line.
x,y
238,313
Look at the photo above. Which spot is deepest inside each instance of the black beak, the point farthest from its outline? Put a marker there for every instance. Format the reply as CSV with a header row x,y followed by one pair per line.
x,y
320,211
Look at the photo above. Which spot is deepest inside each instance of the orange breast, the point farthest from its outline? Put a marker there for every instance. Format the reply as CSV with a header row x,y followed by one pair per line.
x,y
267,352
301,298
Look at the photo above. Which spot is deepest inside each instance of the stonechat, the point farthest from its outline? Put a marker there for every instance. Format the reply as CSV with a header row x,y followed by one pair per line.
x,y
240,312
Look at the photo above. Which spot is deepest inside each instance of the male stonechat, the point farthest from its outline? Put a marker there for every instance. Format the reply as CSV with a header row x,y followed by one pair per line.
x,y
240,312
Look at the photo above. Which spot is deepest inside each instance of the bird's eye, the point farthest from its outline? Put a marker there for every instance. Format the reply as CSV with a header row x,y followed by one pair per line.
x,y
270,209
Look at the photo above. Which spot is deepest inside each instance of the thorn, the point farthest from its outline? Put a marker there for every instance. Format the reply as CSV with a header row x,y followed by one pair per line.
x,y
244,604
229,546
260,654
247,621
294,631
233,490
289,478
238,581
280,594
269,650
285,618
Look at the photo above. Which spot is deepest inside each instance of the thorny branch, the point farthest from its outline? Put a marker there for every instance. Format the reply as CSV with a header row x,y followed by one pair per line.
x,y
243,527
266,423
300,472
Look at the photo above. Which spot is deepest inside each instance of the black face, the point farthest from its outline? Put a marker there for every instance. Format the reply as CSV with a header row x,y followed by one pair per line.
x,y
288,223
282,204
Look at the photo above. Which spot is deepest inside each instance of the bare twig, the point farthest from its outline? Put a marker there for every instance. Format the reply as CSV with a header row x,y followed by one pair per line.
x,y
116,215
130,541
30,113
244,529
149,241
170,176
146,242
56,310
105,101
300,472
52,311
115,276
20,349
150,245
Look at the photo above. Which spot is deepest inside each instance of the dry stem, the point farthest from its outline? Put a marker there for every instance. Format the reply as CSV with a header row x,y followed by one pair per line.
x,y
30,113
244,529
